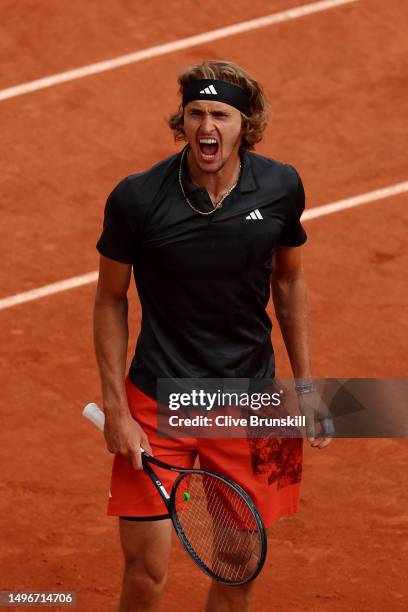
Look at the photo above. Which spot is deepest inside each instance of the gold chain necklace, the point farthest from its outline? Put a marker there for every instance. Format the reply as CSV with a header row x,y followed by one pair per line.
x,y
219,203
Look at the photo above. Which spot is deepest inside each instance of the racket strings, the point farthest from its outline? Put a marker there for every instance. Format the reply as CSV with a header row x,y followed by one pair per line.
x,y
219,526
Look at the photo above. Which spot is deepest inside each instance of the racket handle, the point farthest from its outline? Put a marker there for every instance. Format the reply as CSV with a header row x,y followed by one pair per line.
x,y
93,413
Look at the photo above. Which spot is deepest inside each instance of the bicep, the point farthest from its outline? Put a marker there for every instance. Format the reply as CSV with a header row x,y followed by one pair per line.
x,y
114,278
287,263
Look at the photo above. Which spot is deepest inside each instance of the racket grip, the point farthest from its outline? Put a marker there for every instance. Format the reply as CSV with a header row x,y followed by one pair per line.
x,y
93,413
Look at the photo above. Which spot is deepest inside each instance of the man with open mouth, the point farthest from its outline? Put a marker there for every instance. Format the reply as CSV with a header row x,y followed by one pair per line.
x,y
207,232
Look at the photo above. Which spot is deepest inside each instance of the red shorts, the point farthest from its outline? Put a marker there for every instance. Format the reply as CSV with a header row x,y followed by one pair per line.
x,y
269,469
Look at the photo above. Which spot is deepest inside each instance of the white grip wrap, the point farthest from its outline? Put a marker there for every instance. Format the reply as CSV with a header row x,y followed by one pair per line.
x,y
93,413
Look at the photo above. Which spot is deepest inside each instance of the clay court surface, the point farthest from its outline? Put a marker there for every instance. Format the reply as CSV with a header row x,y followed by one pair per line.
x,y
337,83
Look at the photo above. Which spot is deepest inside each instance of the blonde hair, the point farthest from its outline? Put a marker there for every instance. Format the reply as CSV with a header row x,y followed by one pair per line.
x,y
253,125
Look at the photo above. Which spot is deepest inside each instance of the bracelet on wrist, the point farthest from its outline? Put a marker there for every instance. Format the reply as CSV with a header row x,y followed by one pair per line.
x,y
302,388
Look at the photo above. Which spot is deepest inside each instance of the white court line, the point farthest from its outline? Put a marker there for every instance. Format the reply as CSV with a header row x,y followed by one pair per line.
x,y
318,211
365,198
34,294
177,45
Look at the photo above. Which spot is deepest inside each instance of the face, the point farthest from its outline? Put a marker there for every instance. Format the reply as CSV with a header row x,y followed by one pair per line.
x,y
213,131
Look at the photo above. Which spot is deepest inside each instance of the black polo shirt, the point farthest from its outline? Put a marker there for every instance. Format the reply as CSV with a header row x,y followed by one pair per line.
x,y
203,281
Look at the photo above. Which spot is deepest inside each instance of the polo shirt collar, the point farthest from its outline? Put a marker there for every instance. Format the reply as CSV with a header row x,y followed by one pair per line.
x,y
247,181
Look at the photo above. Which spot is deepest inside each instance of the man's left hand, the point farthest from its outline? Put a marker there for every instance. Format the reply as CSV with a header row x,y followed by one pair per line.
x,y
317,416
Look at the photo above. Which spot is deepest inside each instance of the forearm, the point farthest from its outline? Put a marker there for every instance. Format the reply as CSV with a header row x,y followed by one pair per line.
x,y
292,312
111,336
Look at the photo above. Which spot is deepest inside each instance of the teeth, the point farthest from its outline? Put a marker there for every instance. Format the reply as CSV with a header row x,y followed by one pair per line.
x,y
208,141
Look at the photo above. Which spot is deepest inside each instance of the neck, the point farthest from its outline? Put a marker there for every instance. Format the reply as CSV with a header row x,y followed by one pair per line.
x,y
216,183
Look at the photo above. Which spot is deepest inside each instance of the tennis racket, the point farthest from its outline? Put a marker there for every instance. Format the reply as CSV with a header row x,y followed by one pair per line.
x,y
214,518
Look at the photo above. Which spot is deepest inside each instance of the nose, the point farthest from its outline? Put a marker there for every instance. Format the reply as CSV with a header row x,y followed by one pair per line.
x,y
207,123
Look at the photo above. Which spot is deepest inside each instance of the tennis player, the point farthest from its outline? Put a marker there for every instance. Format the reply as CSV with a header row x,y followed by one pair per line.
x,y
206,232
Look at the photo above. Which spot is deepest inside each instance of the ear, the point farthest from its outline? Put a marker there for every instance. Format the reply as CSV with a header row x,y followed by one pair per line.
x,y
182,134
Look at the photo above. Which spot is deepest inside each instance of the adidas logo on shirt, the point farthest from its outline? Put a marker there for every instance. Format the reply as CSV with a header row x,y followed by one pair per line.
x,y
254,215
210,90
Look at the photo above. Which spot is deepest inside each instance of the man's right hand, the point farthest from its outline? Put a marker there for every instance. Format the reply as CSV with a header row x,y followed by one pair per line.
x,y
124,436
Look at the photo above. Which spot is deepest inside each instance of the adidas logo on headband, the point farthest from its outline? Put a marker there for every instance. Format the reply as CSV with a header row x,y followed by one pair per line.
x,y
217,90
209,90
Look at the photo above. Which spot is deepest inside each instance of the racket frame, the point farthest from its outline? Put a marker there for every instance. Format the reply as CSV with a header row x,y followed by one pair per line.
x,y
184,540
170,503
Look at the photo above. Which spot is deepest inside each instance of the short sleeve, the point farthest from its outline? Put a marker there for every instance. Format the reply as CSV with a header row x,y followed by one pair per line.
x,y
119,238
293,233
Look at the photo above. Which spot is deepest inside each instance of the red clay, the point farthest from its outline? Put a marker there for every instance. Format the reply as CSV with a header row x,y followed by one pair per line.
x,y
335,82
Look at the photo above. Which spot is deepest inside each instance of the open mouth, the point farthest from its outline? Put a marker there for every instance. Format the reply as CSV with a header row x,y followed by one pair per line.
x,y
208,147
